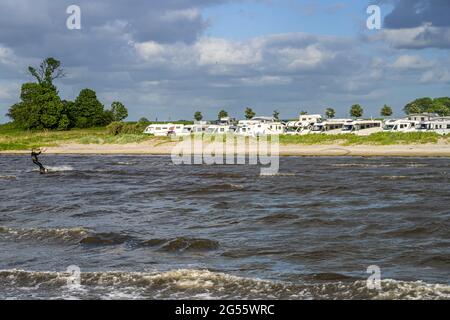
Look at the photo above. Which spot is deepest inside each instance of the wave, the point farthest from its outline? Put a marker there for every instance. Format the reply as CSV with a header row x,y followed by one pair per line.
x,y
88,238
125,163
59,168
8,177
203,284
360,165
63,234
394,177
110,238
182,244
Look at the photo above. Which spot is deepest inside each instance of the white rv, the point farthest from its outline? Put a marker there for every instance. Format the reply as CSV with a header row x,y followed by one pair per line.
x,y
439,125
304,125
260,126
164,130
220,129
362,127
399,126
332,126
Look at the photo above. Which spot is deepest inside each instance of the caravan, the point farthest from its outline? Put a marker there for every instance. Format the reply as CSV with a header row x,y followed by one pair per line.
x,y
399,126
332,126
362,127
260,126
439,125
164,130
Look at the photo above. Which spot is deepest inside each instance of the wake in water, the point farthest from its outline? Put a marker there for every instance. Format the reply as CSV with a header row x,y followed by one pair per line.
x,y
60,168
201,284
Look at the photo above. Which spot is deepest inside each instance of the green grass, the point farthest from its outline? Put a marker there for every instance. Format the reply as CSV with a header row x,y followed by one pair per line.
x,y
12,138
380,138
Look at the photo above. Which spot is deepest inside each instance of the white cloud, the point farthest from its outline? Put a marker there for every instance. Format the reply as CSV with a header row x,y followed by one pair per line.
x,y
213,51
412,62
425,36
190,14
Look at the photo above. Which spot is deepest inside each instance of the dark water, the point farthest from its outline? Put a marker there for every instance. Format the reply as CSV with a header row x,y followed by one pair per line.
x,y
140,227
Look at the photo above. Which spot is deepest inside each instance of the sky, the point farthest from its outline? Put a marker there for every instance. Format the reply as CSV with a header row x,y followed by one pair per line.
x,y
166,59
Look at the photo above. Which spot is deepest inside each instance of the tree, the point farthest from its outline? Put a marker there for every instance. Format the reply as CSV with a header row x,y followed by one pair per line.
x,y
198,116
249,114
143,120
418,106
119,111
89,112
40,108
330,113
49,70
222,114
356,111
386,111
276,115
441,106
303,113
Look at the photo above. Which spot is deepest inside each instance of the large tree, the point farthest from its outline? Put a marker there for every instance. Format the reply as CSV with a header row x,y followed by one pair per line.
x,y
222,114
40,108
330,113
249,113
440,106
356,111
418,106
119,111
386,111
49,70
89,112
198,116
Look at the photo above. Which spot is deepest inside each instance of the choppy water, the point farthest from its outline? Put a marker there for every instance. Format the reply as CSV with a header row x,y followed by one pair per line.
x,y
142,228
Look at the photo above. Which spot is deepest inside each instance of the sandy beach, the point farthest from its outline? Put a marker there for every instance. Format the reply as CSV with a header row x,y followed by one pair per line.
x,y
441,149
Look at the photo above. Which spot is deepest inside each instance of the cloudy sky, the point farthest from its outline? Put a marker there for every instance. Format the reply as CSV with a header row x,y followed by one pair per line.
x,y
167,59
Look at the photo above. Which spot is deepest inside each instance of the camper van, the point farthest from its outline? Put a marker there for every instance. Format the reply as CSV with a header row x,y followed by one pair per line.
x,y
333,126
304,125
399,126
164,130
362,127
260,126
439,125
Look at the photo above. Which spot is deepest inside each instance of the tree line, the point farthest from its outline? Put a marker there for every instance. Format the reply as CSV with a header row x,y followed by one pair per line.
x,y
439,106
41,107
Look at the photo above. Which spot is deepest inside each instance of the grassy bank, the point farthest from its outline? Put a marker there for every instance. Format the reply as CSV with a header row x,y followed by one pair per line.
x,y
15,139
380,138
12,139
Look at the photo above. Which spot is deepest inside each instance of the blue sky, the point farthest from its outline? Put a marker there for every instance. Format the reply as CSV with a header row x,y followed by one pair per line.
x,y
241,21
167,59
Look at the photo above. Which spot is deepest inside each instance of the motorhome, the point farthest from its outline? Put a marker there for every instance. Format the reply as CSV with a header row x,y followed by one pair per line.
x,y
220,129
362,127
399,126
439,125
332,126
164,130
304,125
260,126
422,117
200,127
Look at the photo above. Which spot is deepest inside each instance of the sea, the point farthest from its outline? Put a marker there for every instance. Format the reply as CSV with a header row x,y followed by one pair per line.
x,y
141,227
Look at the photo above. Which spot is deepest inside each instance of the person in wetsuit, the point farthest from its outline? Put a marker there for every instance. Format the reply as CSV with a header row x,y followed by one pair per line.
x,y
34,156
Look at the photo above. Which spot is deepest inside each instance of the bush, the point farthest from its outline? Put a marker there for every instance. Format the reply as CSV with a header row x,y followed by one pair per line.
x,y
118,128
